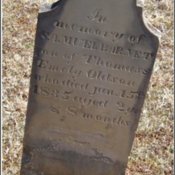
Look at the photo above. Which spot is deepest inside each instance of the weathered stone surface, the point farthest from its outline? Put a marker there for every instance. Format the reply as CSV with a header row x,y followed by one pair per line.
x,y
91,68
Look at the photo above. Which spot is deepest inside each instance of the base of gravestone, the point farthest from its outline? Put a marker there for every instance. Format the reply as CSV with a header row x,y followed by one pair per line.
x,y
69,163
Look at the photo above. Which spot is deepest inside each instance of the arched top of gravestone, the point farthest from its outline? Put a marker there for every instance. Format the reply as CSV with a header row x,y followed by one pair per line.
x,y
120,16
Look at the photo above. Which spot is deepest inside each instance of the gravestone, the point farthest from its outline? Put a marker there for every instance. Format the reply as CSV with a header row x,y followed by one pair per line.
x,y
92,64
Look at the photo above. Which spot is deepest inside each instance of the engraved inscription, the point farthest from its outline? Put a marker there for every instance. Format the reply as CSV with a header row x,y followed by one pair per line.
x,y
119,121
44,91
102,47
45,64
72,84
90,74
88,101
49,92
94,69
65,95
113,36
99,75
75,112
97,16
45,52
124,108
92,60
104,63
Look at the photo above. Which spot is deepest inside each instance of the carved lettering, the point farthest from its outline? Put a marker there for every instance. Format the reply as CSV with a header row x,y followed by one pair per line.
x,y
45,52
132,94
115,120
75,85
103,91
104,63
88,101
48,92
119,121
99,75
102,47
97,16
111,35
47,65
45,35
124,108
65,95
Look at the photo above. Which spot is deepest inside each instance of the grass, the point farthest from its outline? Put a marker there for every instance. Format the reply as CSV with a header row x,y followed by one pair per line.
x,y
152,152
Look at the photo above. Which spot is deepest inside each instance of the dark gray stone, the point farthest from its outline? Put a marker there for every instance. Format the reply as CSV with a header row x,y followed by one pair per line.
x,y
92,64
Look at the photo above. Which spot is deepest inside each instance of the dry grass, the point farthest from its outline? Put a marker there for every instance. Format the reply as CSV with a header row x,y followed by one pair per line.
x,y
152,153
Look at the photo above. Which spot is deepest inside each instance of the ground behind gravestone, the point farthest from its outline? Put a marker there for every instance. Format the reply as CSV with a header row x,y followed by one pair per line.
x,y
152,152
